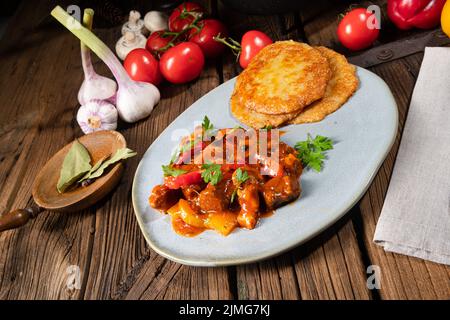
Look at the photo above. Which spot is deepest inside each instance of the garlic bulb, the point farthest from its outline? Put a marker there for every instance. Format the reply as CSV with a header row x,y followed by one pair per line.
x,y
137,101
97,115
134,24
156,21
128,42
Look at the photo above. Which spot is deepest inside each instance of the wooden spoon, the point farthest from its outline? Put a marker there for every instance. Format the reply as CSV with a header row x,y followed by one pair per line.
x,y
100,144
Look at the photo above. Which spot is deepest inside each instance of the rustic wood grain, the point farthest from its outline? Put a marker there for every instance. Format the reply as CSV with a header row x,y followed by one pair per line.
x,y
35,258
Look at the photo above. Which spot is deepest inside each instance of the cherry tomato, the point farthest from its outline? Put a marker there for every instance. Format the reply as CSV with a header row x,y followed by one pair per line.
x,y
252,42
157,41
182,63
141,65
184,15
205,37
354,31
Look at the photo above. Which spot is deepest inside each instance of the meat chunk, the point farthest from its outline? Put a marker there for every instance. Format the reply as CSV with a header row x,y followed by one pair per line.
x,y
292,165
212,199
249,202
191,192
162,198
281,190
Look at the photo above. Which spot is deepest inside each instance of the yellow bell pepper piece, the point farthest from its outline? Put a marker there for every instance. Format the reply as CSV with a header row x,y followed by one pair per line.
x,y
445,18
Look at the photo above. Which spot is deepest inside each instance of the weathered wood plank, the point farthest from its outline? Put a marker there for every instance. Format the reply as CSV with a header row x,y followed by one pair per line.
x,y
335,269
34,259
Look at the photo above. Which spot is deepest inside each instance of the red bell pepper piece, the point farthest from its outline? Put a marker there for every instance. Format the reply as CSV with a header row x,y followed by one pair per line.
x,y
183,180
407,14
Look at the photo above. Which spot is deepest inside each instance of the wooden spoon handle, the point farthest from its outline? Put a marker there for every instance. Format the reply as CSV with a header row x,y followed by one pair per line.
x,y
18,217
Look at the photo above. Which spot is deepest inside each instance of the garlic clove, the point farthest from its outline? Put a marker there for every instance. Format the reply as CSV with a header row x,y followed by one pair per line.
x,y
128,42
97,115
155,21
133,104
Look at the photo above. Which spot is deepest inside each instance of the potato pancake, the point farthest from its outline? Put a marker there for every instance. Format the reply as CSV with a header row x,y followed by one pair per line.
x,y
283,77
255,119
342,85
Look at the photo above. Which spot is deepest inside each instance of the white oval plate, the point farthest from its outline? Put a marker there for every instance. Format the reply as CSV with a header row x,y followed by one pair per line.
x,y
363,129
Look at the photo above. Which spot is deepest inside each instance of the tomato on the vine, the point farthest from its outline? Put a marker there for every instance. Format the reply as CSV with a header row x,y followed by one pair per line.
x,y
204,36
183,15
157,42
141,65
182,63
355,32
252,42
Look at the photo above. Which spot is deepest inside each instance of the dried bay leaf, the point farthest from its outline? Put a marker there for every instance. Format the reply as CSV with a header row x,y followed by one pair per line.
x,y
94,168
76,164
120,154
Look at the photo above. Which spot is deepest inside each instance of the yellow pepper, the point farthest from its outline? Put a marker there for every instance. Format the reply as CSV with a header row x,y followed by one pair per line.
x,y
445,18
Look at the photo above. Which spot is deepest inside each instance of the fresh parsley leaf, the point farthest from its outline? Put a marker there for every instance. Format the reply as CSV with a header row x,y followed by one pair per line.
x,y
268,127
206,124
323,143
312,151
212,173
170,171
241,177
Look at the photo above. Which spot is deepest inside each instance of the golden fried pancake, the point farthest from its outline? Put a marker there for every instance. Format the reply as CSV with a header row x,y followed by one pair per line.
x,y
342,85
283,77
255,119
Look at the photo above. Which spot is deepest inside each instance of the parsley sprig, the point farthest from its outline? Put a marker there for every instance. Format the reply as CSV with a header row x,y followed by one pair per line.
x,y
312,151
206,124
170,171
211,173
241,177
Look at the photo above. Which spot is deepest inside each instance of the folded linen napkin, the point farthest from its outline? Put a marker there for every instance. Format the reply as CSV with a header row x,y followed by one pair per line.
x,y
415,219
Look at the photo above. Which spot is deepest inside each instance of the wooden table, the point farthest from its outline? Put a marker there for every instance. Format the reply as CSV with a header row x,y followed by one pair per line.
x,y
40,73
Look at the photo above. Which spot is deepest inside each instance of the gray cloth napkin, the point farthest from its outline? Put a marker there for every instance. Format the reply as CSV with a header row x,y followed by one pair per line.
x,y
415,219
